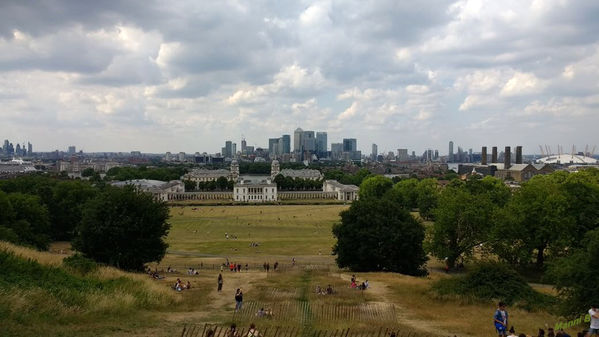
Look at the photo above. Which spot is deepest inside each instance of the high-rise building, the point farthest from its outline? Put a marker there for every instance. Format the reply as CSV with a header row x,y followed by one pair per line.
x,y
375,151
72,149
244,145
321,144
336,150
298,140
402,155
350,145
450,158
228,149
234,150
309,141
285,143
273,147
29,149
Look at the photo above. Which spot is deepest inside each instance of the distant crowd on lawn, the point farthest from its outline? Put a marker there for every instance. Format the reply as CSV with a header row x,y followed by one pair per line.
x,y
501,321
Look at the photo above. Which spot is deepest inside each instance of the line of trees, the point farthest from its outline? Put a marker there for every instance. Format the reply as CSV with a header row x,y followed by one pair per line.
x,y
118,226
550,224
143,172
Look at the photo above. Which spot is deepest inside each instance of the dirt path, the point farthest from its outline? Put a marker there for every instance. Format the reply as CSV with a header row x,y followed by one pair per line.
x,y
380,291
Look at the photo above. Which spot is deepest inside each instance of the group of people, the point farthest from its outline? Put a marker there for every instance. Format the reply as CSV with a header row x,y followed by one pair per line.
x,y
356,285
265,313
321,291
266,266
154,273
236,267
233,332
192,271
233,237
500,320
180,285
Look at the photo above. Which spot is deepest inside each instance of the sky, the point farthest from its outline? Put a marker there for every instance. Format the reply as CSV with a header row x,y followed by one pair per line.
x,y
157,76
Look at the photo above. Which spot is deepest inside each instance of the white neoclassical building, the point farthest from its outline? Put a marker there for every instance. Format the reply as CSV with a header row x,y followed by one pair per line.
x,y
251,191
344,192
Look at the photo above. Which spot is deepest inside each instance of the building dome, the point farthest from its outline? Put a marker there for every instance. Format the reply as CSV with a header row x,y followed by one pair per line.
x,y
567,159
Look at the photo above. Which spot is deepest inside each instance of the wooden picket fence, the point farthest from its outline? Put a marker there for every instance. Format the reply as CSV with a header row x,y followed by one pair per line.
x,y
199,330
294,311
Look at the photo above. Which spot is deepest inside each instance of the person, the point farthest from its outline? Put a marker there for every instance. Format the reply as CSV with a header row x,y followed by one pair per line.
x,y
353,284
541,333
501,319
267,267
238,299
594,328
188,285
260,312
252,332
293,261
220,283
353,278
276,265
210,333
329,290
233,331
366,284
512,332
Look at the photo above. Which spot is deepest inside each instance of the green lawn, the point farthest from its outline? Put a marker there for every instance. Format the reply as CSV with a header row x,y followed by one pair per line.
x,y
279,230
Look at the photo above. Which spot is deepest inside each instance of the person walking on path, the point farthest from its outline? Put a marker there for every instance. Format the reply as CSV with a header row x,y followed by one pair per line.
x,y
594,329
238,299
501,319
220,283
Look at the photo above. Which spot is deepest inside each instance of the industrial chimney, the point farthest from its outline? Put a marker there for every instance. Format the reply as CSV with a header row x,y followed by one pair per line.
x,y
507,158
494,155
483,160
518,154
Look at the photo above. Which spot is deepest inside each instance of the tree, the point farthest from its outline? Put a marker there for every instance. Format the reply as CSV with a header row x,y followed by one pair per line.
x,y
66,206
375,187
222,183
535,222
189,185
377,235
7,217
31,220
462,221
407,190
575,276
427,193
123,227
88,172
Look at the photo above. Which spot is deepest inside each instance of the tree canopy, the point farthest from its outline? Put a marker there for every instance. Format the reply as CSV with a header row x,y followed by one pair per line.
x,y
124,228
379,235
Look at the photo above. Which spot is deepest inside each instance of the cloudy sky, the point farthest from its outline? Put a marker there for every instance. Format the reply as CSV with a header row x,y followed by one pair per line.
x,y
160,76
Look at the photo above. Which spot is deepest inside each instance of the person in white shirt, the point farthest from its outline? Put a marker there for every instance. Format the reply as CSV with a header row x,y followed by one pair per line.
x,y
594,329
512,333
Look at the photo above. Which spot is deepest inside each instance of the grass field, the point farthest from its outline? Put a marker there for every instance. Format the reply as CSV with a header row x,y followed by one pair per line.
x,y
197,239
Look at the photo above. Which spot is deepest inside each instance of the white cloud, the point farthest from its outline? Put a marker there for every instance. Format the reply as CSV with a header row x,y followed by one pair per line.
x,y
522,84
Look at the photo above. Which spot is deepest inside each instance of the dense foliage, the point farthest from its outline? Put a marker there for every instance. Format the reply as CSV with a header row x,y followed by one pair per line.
x,y
124,228
575,275
143,172
347,178
377,234
496,282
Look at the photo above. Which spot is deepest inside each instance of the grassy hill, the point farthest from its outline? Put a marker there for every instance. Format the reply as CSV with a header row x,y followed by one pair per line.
x,y
40,296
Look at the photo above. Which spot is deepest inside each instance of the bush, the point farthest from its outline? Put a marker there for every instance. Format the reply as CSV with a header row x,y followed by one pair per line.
x,y
80,264
492,281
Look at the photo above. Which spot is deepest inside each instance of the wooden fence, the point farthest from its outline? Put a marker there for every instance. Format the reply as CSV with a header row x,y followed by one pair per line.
x,y
199,330
299,312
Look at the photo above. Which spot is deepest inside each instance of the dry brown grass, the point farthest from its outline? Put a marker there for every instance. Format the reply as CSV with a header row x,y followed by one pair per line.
x,y
45,258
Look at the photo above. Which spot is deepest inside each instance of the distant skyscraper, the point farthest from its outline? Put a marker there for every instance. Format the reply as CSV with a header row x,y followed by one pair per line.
x,y
336,150
321,144
286,144
375,151
350,145
244,145
234,150
450,156
298,140
309,141
72,149
29,148
273,147
402,155
228,149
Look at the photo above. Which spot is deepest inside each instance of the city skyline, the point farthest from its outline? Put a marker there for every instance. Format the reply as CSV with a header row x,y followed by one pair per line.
x,y
156,77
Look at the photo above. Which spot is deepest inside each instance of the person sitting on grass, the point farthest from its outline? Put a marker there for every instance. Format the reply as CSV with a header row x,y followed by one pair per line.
x,y
353,284
260,312
330,290
512,332
500,319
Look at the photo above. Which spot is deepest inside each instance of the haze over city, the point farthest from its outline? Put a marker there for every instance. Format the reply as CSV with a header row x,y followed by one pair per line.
x,y
155,77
